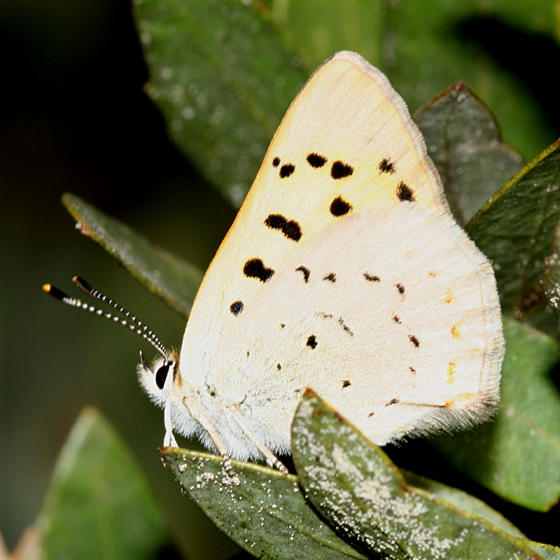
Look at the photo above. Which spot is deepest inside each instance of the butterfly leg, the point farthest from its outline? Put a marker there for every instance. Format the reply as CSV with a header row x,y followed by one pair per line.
x,y
213,433
169,438
271,459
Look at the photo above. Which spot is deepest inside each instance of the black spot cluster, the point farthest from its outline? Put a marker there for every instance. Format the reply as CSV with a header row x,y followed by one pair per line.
x,y
386,166
404,192
340,170
255,268
290,228
305,271
414,340
316,160
371,277
312,342
340,207
236,307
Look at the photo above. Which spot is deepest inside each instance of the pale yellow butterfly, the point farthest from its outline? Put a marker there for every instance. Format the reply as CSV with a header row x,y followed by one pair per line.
x,y
345,272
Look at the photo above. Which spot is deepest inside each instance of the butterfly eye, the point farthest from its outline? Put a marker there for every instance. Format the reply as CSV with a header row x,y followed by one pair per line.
x,y
161,375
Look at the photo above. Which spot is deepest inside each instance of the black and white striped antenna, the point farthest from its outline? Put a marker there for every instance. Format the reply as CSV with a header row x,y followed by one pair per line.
x,y
130,321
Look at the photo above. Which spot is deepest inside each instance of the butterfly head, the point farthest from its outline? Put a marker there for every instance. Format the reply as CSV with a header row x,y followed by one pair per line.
x,y
158,378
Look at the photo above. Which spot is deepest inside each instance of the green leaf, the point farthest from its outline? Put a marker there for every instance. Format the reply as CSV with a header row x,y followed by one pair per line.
x,y
223,76
464,141
98,504
517,455
354,485
165,275
515,228
261,509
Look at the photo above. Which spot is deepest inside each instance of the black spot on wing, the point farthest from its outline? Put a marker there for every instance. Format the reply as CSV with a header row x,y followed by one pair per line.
x,y
316,160
400,288
397,319
305,271
276,162
290,228
236,307
339,207
278,367
386,166
346,383
340,170
412,370
371,277
414,340
340,321
255,268
286,170
330,277
392,401
404,192
312,341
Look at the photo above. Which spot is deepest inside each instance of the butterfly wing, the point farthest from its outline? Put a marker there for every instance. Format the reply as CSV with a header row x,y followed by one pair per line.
x,y
346,211
392,316
347,144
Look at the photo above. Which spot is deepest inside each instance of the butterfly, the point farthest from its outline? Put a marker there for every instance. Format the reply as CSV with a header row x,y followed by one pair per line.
x,y
344,271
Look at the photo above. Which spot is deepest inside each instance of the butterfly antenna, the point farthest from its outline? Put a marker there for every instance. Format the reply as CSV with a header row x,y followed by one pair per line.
x,y
131,321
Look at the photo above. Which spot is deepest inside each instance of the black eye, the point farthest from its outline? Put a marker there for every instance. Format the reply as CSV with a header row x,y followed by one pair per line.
x,y
161,375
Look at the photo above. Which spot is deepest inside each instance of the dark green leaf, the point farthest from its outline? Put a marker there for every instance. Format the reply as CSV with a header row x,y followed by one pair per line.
x,y
98,504
223,76
362,494
167,276
261,509
518,454
515,228
464,142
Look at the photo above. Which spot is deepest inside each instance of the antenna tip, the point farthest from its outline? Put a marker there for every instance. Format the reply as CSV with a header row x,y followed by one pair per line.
x,y
81,283
54,291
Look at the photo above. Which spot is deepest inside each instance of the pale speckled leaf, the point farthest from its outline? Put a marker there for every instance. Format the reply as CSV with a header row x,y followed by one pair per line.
x,y
464,141
550,281
98,504
496,454
173,279
463,501
363,495
547,551
261,509
515,228
223,76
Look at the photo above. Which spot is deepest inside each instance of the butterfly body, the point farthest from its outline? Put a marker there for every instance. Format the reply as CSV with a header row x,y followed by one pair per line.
x,y
344,271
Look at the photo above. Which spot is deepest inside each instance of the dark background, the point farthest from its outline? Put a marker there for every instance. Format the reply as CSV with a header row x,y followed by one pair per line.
x,y
74,117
